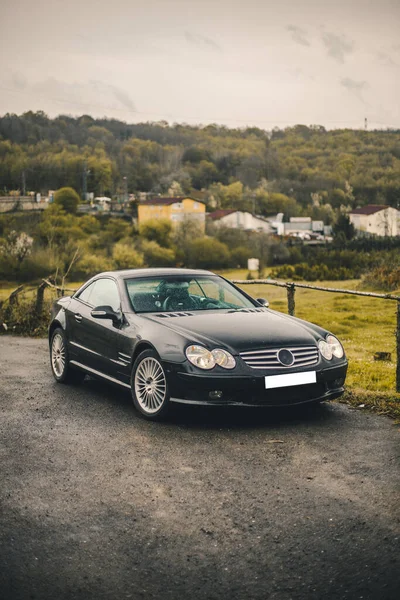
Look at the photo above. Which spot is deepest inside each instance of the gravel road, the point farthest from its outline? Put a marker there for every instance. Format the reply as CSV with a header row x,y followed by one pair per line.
x,y
96,503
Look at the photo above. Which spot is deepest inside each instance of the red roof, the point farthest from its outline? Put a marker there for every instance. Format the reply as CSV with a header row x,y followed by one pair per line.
x,y
369,210
168,201
218,214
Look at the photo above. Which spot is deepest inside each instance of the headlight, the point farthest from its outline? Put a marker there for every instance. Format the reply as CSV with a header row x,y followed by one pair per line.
x,y
331,347
200,357
325,349
223,358
337,348
204,359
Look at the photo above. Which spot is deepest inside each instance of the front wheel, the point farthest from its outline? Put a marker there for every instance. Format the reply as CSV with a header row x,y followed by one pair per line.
x,y
59,360
149,386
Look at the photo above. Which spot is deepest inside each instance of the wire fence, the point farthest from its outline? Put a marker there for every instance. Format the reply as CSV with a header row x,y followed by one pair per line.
x,y
7,305
291,291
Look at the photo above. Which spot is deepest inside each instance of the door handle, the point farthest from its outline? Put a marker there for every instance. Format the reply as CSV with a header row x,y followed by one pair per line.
x,y
78,317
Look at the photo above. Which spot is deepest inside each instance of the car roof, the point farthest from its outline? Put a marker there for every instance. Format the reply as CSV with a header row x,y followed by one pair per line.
x,y
131,273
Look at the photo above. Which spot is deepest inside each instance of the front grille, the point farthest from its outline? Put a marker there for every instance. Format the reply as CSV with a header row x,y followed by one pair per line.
x,y
268,359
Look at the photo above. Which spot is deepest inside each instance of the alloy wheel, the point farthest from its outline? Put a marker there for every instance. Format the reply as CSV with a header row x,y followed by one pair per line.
x,y
58,355
150,385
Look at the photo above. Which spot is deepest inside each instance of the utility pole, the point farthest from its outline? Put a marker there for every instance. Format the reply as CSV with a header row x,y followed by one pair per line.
x,y
365,123
125,189
23,183
84,180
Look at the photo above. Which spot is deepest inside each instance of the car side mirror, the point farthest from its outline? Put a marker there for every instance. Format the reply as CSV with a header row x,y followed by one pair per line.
x,y
263,302
106,312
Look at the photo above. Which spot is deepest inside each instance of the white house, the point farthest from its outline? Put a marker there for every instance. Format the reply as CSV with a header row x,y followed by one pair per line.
x,y
237,219
376,219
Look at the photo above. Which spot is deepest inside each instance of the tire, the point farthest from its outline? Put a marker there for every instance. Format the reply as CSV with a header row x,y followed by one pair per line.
x,y
149,386
59,360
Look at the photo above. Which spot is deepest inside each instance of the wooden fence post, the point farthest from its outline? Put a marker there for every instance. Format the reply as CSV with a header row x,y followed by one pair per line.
x,y
291,289
12,301
398,348
40,298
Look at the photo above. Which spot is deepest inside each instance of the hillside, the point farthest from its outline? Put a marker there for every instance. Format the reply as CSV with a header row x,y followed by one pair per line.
x,y
292,170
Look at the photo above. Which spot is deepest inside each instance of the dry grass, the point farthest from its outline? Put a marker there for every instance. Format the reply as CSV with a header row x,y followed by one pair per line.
x,y
364,325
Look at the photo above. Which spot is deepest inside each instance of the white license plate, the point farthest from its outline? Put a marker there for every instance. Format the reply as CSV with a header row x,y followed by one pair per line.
x,y
288,379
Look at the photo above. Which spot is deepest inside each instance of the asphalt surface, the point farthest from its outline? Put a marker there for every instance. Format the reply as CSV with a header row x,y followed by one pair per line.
x,y
97,503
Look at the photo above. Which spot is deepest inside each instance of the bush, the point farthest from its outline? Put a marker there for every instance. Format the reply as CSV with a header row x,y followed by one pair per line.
x,y
22,318
89,265
239,257
67,198
126,256
157,230
209,253
384,277
304,271
157,256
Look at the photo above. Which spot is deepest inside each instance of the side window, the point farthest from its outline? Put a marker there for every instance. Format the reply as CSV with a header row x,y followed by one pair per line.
x,y
87,292
105,293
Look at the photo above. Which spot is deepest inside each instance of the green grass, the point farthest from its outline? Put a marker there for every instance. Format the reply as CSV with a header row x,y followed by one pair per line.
x,y
364,326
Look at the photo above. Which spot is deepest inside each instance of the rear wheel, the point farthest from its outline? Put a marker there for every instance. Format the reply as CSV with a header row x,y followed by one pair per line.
x,y
149,386
59,360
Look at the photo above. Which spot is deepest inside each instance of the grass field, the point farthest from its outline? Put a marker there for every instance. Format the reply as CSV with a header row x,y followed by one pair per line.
x,y
364,326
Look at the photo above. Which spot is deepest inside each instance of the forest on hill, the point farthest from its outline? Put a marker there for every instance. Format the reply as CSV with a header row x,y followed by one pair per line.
x,y
298,170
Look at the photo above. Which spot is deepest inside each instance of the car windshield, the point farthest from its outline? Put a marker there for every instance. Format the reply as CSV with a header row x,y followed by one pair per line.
x,y
184,293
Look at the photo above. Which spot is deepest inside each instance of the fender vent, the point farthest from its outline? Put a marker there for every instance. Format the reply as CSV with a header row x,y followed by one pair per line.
x,y
248,310
174,314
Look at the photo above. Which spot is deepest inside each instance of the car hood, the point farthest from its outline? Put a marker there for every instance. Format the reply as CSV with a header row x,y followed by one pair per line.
x,y
239,331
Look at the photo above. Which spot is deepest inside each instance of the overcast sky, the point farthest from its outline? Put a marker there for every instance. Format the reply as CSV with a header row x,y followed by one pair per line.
x,y
238,62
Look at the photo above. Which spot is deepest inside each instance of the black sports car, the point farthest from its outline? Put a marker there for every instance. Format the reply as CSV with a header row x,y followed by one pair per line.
x,y
179,335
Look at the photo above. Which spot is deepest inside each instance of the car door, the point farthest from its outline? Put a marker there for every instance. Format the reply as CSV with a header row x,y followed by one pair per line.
x,y
75,313
97,340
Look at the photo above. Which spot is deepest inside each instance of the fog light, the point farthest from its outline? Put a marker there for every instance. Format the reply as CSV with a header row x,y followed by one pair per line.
x,y
215,394
336,383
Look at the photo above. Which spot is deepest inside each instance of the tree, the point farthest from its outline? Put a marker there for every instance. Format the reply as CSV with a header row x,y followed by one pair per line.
x,y
175,189
209,253
344,226
16,248
157,230
184,233
68,199
156,256
126,256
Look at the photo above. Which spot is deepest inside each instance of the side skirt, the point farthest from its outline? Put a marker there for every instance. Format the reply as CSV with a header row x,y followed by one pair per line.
x,y
99,374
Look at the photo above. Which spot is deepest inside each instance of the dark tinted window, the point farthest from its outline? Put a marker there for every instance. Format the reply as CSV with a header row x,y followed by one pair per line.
x,y
103,292
85,295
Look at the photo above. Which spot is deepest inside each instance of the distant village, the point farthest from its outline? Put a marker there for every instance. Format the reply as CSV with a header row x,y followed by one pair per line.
x,y
370,220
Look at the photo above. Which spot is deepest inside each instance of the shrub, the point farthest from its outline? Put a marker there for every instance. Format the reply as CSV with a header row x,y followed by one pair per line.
x,y
239,257
22,318
89,265
209,253
157,256
67,198
384,277
126,256
157,230
312,273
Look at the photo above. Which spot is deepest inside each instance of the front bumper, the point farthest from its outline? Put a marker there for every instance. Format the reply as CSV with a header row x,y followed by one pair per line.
x,y
249,389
